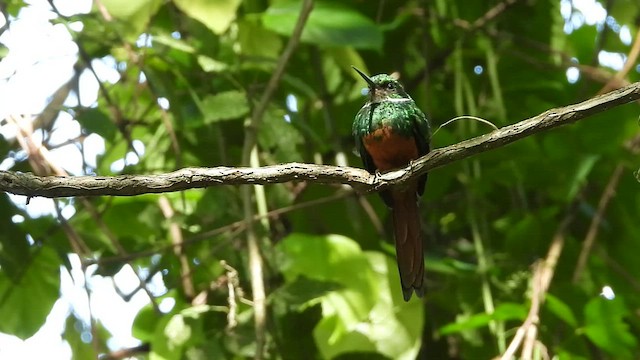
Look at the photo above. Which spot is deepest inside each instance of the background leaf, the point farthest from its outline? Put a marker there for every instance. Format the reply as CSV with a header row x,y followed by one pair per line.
x,y
26,301
330,24
216,15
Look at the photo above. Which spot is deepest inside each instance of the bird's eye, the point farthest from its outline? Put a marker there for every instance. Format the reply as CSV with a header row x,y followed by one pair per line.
x,y
390,86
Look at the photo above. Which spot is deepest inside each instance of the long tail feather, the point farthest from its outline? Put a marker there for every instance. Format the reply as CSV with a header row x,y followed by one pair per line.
x,y
408,239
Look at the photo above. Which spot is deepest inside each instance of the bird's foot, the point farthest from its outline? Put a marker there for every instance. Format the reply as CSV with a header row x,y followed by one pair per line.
x,y
411,165
377,175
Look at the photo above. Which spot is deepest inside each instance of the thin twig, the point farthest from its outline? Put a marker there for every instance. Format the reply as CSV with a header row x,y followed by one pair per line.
x,y
178,248
232,282
250,157
238,225
326,102
592,233
118,115
80,247
486,122
493,13
632,59
621,270
542,275
93,322
490,15
128,353
251,132
373,216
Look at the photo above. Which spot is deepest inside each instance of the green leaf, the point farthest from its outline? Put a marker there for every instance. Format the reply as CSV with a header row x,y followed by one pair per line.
x,y
161,347
14,246
503,312
211,65
580,177
226,105
177,331
606,326
216,15
180,333
510,311
73,330
96,121
26,302
135,15
325,258
624,11
276,133
145,324
329,24
561,310
173,43
367,313
4,145
581,41
346,58
304,292
257,41
111,155
449,266
466,322
147,321
133,216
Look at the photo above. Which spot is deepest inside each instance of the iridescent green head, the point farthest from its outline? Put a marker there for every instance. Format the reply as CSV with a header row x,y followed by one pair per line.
x,y
383,87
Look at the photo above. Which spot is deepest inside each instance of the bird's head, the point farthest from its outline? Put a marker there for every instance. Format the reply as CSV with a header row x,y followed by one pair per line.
x,y
383,87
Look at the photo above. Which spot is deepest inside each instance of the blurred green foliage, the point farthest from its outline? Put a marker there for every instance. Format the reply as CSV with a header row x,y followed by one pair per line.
x,y
190,73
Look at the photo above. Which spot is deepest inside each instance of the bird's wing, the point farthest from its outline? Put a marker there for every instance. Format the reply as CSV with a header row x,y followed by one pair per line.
x,y
372,169
366,158
422,136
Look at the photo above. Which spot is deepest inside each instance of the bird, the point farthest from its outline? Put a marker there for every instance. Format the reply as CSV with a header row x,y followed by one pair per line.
x,y
390,132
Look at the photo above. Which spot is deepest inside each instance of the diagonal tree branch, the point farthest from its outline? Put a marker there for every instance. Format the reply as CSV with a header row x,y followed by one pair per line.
x,y
190,178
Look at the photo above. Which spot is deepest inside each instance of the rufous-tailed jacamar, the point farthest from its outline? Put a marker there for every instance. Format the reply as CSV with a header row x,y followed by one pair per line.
x,y
391,131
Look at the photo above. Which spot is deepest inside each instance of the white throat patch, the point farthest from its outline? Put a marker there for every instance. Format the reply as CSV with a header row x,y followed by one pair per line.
x,y
398,100
392,100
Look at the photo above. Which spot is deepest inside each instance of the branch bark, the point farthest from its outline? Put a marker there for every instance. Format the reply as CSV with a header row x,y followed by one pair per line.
x,y
190,178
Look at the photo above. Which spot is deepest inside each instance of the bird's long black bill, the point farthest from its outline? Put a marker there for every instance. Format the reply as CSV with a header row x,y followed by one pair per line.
x,y
366,78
